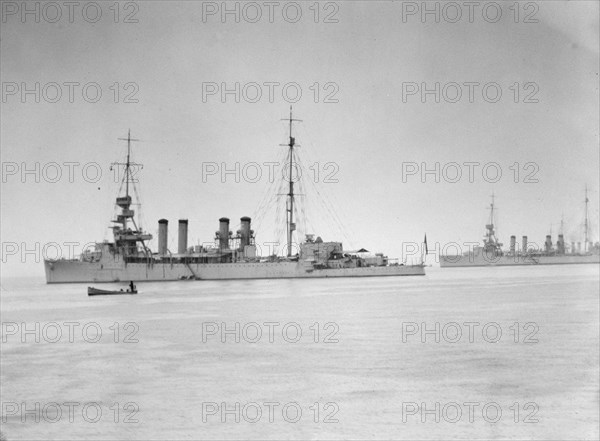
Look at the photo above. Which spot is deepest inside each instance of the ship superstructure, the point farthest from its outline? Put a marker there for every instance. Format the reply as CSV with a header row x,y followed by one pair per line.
x,y
233,256
491,245
492,254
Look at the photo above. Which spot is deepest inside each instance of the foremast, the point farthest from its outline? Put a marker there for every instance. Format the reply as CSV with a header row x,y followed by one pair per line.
x,y
490,241
125,237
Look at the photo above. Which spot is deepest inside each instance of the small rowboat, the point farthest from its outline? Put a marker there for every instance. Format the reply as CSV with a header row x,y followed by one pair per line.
x,y
102,292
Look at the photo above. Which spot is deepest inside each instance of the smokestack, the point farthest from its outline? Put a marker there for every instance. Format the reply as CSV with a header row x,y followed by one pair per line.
x,y
163,231
524,244
183,230
548,243
560,245
224,233
513,242
579,247
573,250
245,232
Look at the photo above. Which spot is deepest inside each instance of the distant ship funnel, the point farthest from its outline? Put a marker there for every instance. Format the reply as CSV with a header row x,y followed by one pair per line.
x,y
183,236
548,243
524,244
573,250
560,245
163,231
513,243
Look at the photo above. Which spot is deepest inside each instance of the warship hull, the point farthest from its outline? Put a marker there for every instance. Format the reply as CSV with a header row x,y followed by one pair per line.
x,y
73,271
517,260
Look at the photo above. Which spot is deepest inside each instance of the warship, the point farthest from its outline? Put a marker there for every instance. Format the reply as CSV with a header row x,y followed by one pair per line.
x,y
129,258
492,254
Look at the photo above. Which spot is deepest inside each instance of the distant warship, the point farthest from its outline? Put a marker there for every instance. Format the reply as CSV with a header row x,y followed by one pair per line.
x,y
491,253
128,257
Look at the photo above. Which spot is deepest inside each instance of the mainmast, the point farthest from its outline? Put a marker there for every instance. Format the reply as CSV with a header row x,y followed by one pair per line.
x,y
490,226
492,210
291,226
562,224
585,225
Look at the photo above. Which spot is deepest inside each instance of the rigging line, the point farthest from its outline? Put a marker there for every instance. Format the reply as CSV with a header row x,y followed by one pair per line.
x,y
274,196
333,215
267,196
115,207
336,206
305,211
275,181
262,220
308,208
259,212
137,193
266,193
308,200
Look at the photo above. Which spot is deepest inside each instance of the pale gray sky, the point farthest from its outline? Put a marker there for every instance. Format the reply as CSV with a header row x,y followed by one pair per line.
x,y
368,55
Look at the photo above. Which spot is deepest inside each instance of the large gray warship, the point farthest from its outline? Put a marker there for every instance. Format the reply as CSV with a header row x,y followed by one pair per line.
x,y
491,253
128,257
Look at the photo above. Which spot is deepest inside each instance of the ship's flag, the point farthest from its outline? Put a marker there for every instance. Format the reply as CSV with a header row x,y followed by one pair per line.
x,y
425,242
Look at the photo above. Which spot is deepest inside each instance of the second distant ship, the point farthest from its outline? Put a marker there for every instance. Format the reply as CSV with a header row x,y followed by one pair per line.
x,y
492,254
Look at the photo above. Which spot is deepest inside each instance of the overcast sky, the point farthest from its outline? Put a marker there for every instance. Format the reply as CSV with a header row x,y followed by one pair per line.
x,y
370,60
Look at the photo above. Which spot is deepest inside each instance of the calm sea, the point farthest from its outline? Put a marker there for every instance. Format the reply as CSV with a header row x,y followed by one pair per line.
x,y
467,353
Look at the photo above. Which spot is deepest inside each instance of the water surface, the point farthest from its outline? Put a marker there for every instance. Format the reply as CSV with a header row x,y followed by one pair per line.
x,y
360,377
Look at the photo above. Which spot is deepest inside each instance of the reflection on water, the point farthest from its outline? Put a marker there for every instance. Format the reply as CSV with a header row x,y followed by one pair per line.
x,y
343,357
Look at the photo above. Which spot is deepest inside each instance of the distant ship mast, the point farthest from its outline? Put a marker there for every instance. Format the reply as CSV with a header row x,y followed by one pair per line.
x,y
490,239
585,225
291,226
562,224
